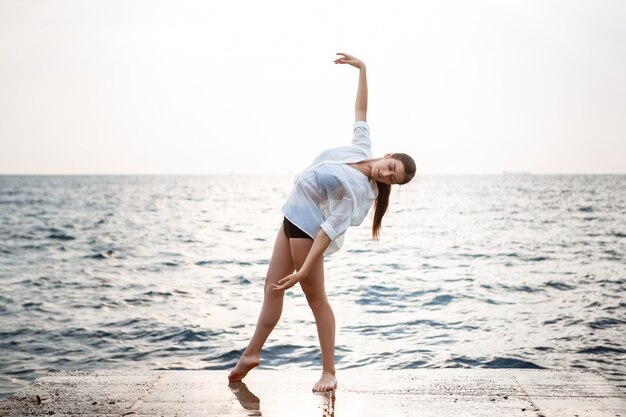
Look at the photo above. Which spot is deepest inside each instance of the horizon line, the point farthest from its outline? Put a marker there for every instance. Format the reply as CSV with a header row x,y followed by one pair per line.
x,y
504,173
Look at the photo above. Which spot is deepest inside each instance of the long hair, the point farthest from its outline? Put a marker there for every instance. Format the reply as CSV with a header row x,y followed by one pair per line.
x,y
382,199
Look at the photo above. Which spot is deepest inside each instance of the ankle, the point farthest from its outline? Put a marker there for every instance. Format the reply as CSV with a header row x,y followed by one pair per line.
x,y
251,356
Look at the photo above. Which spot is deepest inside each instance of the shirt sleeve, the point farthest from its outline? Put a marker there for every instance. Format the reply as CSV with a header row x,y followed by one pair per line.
x,y
361,136
340,218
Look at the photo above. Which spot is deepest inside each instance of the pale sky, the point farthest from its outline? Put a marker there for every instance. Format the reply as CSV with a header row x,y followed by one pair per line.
x,y
207,87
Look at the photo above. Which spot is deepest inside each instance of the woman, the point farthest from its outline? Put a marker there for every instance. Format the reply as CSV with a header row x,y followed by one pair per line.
x,y
333,193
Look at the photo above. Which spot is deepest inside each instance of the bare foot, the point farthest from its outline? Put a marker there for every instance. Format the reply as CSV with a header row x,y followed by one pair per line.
x,y
244,365
327,382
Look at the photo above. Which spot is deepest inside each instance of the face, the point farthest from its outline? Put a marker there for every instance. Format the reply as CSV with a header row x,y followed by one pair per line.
x,y
388,170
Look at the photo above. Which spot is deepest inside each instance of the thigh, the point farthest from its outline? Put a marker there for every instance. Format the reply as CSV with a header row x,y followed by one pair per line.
x,y
281,263
313,284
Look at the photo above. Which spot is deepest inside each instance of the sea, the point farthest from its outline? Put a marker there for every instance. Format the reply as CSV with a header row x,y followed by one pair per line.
x,y
167,272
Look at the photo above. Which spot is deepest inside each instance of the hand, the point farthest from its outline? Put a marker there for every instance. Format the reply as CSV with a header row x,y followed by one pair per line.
x,y
349,59
287,282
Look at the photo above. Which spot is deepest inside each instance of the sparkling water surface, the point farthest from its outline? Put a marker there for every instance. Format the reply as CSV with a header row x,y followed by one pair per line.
x,y
166,272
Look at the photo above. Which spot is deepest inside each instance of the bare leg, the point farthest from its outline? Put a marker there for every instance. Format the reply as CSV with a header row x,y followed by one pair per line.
x,y
280,266
313,287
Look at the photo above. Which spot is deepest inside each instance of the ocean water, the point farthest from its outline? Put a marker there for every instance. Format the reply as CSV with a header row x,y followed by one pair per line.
x,y
166,272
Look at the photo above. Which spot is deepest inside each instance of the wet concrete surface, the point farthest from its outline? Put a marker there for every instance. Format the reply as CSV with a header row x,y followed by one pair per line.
x,y
361,392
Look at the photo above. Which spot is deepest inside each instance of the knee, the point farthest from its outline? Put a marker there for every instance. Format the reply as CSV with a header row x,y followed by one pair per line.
x,y
318,303
270,292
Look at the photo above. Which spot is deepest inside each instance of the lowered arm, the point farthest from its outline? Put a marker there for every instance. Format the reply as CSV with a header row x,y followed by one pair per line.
x,y
320,243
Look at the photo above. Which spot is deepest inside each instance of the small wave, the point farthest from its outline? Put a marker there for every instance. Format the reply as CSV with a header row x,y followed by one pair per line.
x,y
379,295
555,320
394,328
164,294
605,322
222,262
373,301
231,230
409,365
504,362
283,350
243,280
304,356
618,281
537,259
544,348
419,293
359,250
461,361
105,254
617,234
597,350
473,255
613,255
123,324
82,333
6,299
586,209
35,247
495,363
61,236
426,265
22,236
395,265
620,306
559,285
521,288
137,301
183,335
440,300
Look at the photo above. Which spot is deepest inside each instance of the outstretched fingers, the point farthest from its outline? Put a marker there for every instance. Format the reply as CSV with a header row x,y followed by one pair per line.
x,y
286,282
348,59
343,59
281,285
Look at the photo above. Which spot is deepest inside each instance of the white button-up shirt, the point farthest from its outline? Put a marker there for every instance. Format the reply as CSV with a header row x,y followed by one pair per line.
x,y
332,195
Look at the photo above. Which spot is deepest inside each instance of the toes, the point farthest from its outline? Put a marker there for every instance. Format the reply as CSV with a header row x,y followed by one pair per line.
x,y
234,377
321,388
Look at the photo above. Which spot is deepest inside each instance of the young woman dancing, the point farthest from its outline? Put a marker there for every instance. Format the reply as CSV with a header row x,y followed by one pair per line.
x,y
336,191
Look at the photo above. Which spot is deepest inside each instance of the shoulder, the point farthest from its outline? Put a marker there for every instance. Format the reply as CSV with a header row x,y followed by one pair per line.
x,y
361,137
361,124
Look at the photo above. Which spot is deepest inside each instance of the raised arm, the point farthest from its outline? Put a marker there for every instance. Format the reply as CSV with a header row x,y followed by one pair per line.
x,y
360,106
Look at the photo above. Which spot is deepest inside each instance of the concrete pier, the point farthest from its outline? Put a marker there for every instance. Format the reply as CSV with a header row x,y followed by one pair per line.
x,y
361,392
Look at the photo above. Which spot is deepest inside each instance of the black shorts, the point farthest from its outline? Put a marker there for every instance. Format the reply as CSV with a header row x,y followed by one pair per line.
x,y
293,231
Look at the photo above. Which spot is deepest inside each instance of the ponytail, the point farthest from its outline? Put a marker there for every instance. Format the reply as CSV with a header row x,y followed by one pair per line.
x,y
380,207
382,199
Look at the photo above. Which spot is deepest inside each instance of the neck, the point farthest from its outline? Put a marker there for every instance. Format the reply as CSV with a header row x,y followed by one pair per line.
x,y
366,166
